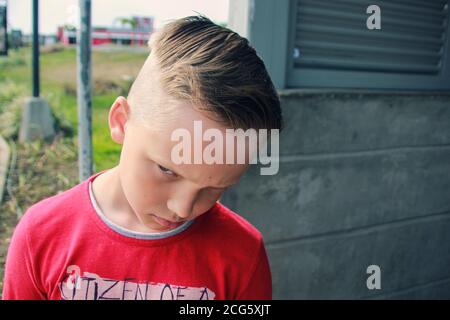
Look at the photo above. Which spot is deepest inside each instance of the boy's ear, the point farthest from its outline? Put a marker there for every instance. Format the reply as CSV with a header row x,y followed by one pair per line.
x,y
118,117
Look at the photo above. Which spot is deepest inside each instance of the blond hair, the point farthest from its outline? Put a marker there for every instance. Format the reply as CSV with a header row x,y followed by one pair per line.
x,y
216,70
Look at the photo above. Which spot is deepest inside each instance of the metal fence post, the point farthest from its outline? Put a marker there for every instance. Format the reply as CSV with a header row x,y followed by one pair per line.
x,y
36,85
84,93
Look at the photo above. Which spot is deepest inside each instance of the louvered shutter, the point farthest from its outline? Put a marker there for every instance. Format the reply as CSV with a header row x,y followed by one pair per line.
x,y
331,37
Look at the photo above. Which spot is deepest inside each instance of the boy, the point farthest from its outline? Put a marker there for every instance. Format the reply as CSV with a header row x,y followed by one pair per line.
x,y
147,228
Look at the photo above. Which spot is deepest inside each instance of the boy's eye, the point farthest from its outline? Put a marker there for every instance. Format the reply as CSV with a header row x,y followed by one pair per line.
x,y
166,171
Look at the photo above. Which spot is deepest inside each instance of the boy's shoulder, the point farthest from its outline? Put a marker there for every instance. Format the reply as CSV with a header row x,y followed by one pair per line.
x,y
232,227
56,209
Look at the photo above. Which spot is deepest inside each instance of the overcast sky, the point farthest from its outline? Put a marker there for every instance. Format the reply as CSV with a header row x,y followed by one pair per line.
x,y
58,12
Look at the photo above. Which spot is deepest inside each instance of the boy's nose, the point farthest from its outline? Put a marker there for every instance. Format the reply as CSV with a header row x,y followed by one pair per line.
x,y
182,209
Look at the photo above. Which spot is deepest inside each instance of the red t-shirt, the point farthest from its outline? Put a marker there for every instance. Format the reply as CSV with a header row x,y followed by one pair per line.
x,y
62,248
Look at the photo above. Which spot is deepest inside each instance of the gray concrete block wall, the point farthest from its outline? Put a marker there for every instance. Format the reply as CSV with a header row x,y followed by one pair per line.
x,y
364,179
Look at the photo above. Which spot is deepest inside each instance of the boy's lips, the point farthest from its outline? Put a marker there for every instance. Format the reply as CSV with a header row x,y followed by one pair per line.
x,y
166,223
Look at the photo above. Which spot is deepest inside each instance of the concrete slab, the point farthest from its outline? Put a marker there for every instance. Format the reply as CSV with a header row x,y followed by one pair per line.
x,y
37,121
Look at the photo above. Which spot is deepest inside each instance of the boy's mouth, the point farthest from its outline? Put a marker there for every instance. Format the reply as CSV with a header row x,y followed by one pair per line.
x,y
166,223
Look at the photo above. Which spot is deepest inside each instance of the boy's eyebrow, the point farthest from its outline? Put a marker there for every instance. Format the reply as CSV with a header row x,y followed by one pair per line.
x,y
178,174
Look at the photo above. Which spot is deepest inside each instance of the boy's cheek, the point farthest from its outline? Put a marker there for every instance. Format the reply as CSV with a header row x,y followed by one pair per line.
x,y
150,196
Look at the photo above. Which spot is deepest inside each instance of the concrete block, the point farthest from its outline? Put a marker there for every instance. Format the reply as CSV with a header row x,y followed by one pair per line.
x,y
350,122
409,254
436,290
316,195
37,121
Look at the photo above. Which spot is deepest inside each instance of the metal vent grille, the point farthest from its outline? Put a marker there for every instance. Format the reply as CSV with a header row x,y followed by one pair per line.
x,y
333,35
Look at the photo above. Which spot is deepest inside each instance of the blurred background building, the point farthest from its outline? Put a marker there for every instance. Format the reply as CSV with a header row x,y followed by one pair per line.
x,y
130,31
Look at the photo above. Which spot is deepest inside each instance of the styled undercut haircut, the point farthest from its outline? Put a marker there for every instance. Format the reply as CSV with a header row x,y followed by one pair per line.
x,y
212,67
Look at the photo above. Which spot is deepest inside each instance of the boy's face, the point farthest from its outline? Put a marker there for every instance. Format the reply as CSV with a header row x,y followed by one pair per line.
x,y
153,185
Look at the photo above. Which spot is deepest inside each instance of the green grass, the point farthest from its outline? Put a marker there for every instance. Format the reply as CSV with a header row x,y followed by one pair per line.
x,y
111,73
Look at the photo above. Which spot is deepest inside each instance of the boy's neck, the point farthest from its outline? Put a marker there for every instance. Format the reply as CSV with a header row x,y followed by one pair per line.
x,y
109,195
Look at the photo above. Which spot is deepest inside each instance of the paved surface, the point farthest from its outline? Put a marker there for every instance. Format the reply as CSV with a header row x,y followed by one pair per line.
x,y
4,160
